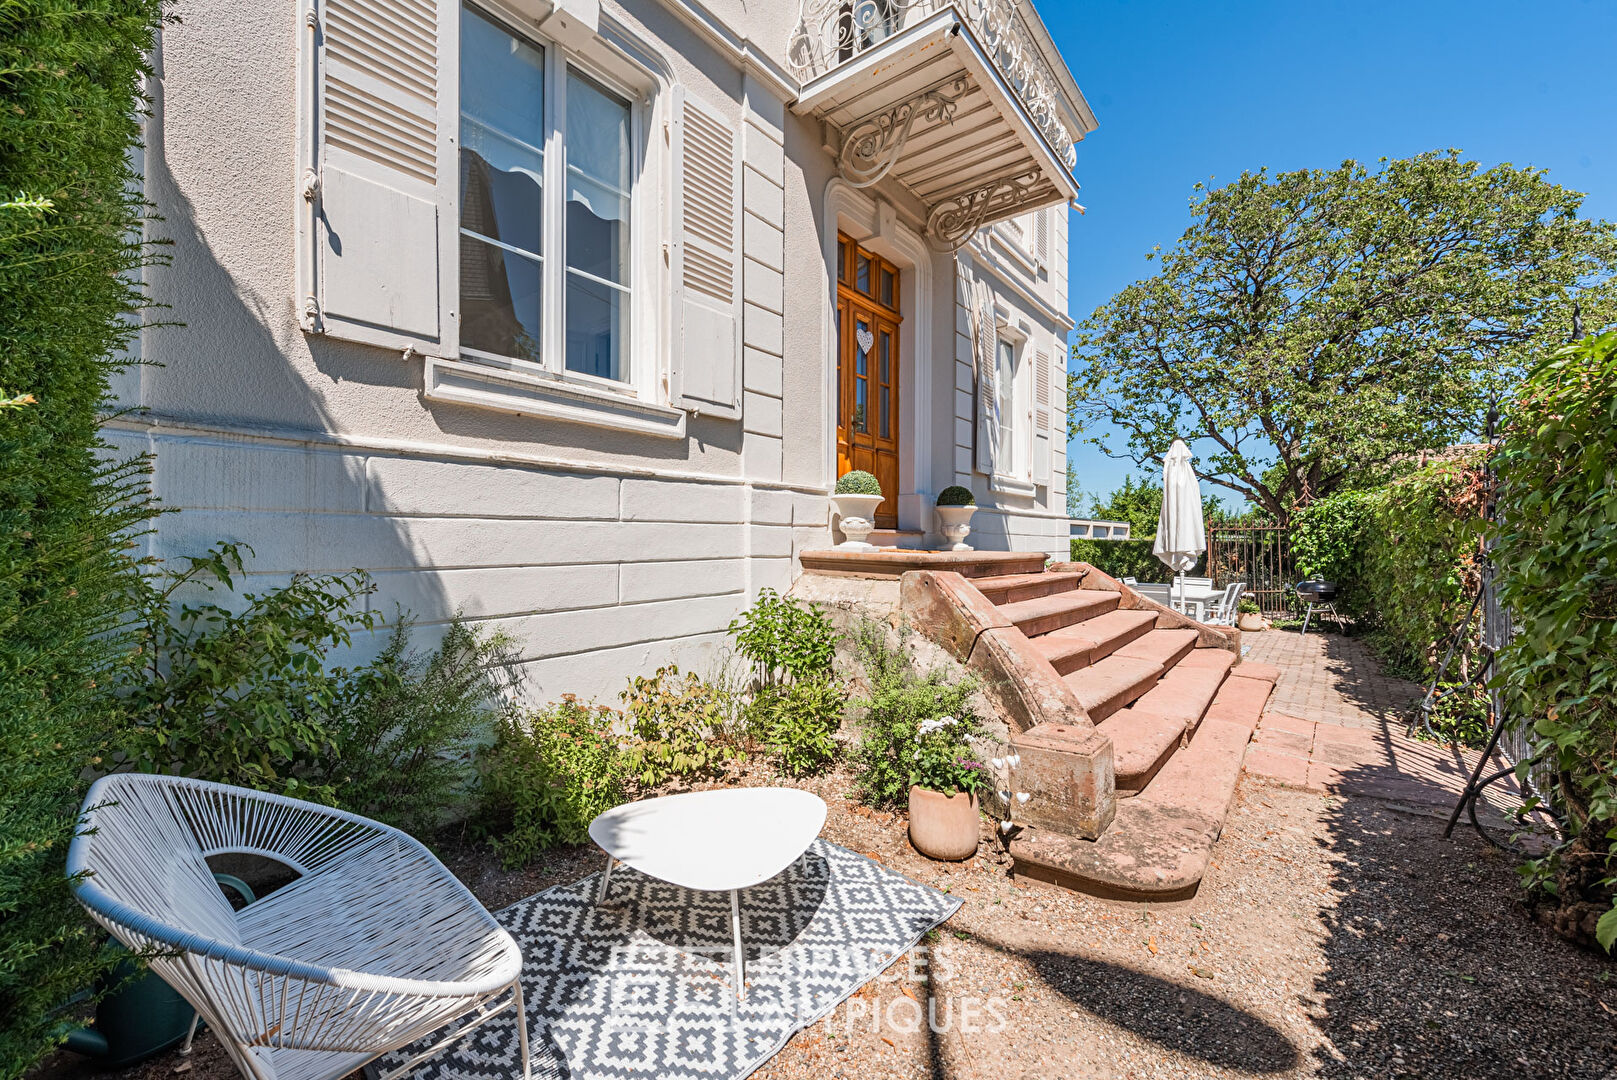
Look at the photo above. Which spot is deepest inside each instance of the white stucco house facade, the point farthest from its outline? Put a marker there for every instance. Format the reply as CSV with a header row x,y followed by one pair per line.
x,y
567,314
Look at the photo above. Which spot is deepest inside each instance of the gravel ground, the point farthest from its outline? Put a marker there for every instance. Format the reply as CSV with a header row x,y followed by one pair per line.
x,y
1332,938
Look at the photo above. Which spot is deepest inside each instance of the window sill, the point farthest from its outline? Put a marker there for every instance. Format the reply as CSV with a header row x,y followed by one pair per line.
x,y
1010,485
549,397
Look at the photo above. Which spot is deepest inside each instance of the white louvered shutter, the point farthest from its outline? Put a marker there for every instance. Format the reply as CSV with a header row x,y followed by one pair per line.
x,y
1042,376
384,121
706,259
1042,246
987,352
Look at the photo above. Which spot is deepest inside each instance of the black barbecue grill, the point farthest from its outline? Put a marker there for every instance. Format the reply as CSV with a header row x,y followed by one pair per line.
x,y
1319,594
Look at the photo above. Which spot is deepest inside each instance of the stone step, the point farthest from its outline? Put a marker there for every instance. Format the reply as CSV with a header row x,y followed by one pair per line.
x,y
1106,687
905,539
1011,588
1158,845
1043,614
1165,647
1142,743
1093,640
1186,690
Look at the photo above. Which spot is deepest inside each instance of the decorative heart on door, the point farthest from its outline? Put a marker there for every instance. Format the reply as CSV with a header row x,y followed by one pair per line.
x,y
866,339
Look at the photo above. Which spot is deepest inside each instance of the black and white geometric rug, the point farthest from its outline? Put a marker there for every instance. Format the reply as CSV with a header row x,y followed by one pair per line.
x,y
640,987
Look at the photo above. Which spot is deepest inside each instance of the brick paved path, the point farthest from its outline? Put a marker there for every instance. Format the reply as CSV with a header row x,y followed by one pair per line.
x,y
1335,723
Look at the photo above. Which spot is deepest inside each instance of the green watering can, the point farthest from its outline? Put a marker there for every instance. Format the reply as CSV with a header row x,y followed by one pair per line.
x,y
145,1016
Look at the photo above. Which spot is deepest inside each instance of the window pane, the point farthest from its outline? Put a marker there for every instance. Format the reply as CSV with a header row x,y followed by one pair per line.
x,y
502,78
1006,389
597,326
861,395
887,287
501,185
861,274
499,300
501,194
597,132
598,160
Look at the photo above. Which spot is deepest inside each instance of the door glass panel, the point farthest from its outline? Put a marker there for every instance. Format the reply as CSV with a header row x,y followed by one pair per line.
x,y
841,409
842,262
861,376
861,395
861,358
884,410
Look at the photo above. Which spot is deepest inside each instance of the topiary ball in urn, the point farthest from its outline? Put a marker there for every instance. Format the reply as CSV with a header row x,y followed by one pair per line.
x,y
956,504
856,498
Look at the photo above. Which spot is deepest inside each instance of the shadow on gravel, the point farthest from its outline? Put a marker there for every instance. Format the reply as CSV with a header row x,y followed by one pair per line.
x,y
1433,968
1176,1017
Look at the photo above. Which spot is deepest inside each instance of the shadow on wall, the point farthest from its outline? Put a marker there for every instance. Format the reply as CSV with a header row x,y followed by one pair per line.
x,y
305,504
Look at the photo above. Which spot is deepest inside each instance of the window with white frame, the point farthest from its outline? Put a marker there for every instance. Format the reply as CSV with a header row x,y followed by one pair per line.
x,y
1015,449
547,171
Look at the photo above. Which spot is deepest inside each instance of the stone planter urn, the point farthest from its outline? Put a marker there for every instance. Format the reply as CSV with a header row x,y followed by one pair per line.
x,y
1252,620
943,826
954,522
858,514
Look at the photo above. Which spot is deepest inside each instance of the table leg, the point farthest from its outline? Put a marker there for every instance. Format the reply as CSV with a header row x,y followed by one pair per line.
x,y
606,880
735,932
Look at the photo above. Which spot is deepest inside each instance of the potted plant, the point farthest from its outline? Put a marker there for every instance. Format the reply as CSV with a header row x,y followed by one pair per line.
x,y
857,495
1249,617
944,781
956,504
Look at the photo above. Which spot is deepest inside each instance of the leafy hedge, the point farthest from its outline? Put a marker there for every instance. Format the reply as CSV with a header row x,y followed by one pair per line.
x,y
1403,555
1122,558
69,76
1557,556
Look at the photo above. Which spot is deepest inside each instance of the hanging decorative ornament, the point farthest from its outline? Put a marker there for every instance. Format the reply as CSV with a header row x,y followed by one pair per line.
x,y
867,340
1014,760
1006,826
1023,796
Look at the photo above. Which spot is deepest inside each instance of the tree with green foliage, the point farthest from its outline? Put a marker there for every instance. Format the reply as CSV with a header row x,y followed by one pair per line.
x,y
1318,325
70,76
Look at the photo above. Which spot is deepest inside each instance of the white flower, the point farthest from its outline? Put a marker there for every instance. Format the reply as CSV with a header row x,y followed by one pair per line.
x,y
1005,795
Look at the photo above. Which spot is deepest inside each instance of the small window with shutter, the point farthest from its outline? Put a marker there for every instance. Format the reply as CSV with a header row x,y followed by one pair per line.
x,y
474,195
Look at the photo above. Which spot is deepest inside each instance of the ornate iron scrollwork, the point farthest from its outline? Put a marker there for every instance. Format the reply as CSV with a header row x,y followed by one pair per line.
x,y
956,218
872,146
833,32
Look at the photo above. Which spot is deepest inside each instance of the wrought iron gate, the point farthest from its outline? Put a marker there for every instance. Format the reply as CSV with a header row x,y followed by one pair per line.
x,y
1259,555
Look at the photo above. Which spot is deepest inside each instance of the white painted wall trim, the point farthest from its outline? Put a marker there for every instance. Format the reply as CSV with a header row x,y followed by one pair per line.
x,y
879,222
153,423
753,60
984,257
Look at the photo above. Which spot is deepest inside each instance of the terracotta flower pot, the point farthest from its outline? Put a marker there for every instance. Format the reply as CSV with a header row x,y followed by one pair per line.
x,y
1252,620
943,826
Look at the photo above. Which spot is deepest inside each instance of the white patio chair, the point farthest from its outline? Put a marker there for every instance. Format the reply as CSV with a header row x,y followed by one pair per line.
x,y
1224,609
374,946
1162,594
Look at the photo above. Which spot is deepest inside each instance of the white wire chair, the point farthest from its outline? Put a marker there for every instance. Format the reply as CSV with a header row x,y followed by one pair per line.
x,y
1226,607
374,946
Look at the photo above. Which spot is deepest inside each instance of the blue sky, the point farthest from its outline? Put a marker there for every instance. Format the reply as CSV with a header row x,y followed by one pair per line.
x,y
1200,91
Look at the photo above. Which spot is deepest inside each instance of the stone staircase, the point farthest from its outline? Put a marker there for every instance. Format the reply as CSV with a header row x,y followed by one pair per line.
x,y
1178,708
1130,720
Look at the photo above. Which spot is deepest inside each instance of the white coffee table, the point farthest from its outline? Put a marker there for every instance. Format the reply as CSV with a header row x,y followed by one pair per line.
x,y
711,841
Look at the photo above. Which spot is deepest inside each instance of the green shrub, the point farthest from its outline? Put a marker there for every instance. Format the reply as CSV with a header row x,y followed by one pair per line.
x,y
546,777
677,727
797,723
1122,558
70,251
890,719
1557,558
955,495
405,728
1329,540
858,482
785,639
237,689
239,693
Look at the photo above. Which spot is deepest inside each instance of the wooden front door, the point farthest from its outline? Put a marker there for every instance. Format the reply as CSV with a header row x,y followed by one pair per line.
x,y
867,370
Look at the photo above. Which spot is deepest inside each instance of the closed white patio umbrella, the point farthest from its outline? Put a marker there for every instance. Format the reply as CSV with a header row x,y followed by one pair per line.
x,y
1181,532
